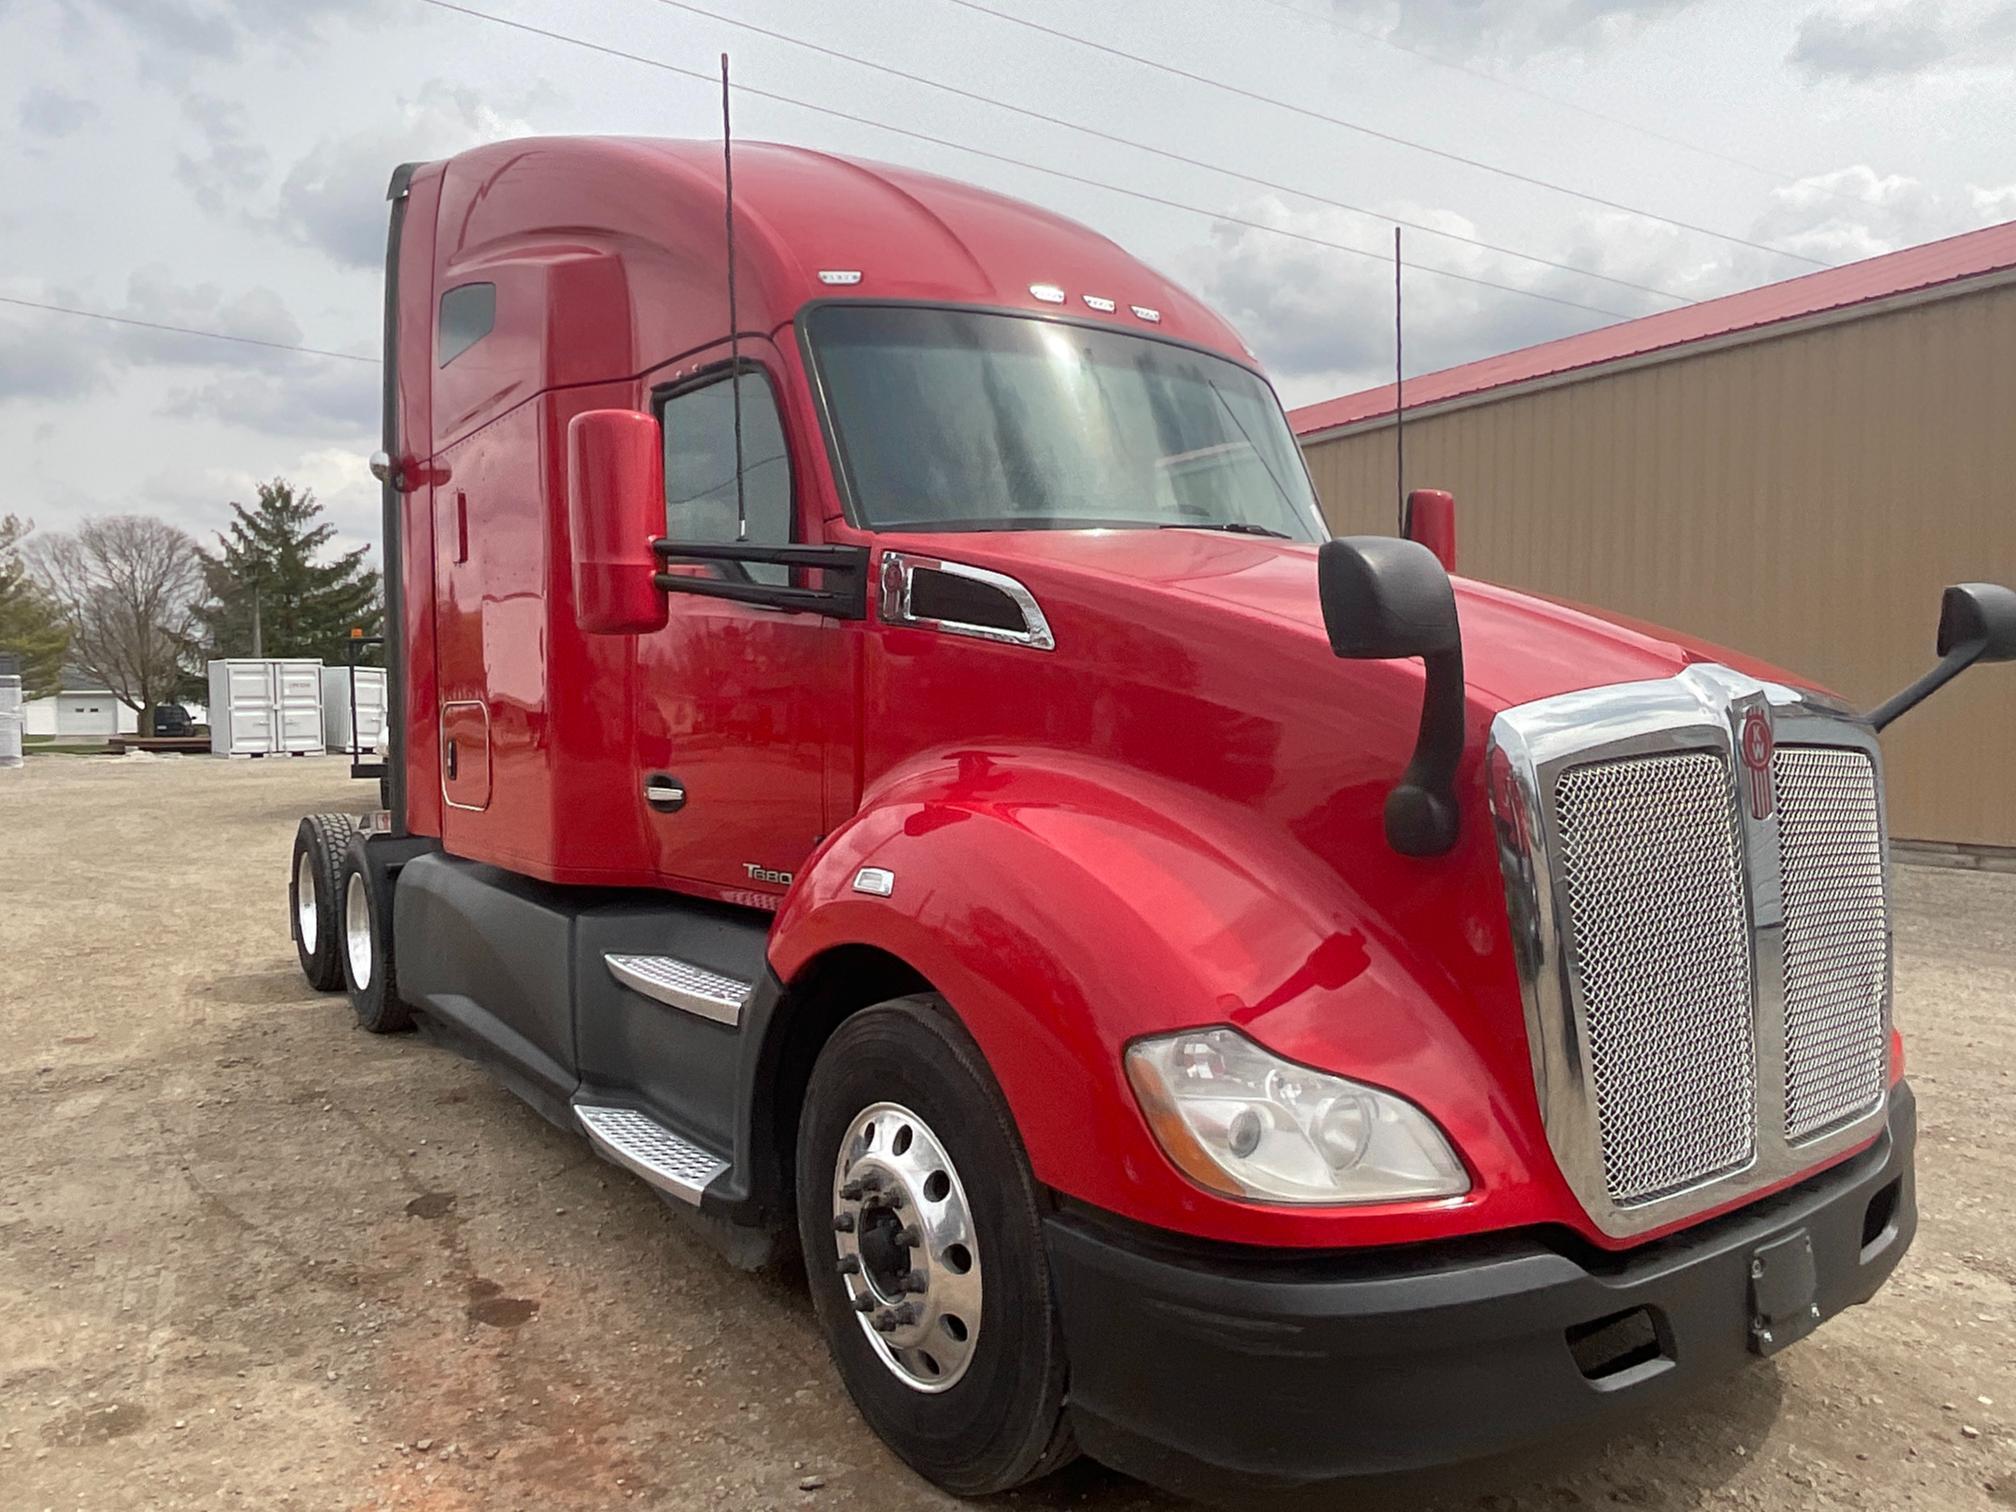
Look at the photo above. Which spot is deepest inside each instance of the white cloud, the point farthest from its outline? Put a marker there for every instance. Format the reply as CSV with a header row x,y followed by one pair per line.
x,y
49,356
50,113
1508,30
333,199
1862,43
1322,321
230,166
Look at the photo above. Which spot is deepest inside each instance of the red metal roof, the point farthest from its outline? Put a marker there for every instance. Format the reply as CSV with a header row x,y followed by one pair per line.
x,y
1956,257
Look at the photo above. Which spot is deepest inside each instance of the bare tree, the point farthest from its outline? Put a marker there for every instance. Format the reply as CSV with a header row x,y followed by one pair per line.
x,y
127,586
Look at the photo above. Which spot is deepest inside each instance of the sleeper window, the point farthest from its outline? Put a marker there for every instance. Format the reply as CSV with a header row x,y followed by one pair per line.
x,y
467,316
699,427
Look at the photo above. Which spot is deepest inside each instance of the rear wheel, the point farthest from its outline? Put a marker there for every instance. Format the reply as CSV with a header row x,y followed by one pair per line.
x,y
923,1245
366,933
314,893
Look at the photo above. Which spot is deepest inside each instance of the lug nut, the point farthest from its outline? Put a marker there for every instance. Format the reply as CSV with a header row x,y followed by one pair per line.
x,y
844,1224
864,1303
896,1199
909,1238
903,1315
884,1322
849,1265
914,1283
851,1192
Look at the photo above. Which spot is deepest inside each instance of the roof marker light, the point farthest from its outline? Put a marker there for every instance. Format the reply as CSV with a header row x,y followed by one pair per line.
x,y
1142,312
839,275
1048,293
1103,306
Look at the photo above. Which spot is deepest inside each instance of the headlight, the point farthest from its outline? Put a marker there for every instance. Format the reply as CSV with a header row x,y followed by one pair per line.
x,y
1249,1124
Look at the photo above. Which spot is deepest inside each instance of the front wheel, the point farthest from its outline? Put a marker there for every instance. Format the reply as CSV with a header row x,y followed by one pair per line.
x,y
923,1245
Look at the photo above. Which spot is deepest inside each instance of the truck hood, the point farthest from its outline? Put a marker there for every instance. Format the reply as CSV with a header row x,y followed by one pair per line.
x,y
1517,647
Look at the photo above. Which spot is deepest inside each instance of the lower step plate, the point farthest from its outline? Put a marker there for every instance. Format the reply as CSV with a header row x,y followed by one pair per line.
x,y
640,1143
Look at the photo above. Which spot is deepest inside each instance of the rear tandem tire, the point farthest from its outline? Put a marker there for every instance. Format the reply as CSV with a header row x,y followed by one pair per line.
x,y
365,928
315,922
909,1069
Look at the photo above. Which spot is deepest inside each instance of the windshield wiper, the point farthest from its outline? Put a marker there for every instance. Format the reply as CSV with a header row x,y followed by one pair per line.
x,y
1237,527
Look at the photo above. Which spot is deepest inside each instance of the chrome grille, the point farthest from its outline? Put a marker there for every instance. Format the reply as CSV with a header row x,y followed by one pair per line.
x,y
1837,956
1659,940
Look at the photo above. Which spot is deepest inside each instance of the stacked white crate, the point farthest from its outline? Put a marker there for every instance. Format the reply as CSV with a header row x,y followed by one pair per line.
x,y
265,707
13,718
336,732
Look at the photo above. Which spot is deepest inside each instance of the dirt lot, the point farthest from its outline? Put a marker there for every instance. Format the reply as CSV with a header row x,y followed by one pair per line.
x,y
250,1256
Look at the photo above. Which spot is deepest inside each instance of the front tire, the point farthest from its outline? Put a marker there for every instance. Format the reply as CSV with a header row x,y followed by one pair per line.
x,y
314,892
923,1243
365,926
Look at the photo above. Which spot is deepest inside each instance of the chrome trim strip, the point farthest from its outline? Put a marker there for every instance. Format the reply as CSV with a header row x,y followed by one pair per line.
x,y
645,1147
682,985
1702,708
899,569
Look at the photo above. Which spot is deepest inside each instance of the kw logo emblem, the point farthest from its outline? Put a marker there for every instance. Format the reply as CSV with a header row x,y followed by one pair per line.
x,y
1758,745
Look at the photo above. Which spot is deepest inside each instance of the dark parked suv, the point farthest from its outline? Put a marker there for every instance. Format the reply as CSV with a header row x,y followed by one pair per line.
x,y
173,719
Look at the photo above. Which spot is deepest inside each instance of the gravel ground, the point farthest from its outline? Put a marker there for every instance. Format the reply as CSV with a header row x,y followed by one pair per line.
x,y
252,1256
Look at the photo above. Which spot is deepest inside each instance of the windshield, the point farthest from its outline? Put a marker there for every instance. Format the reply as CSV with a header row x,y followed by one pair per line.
x,y
957,419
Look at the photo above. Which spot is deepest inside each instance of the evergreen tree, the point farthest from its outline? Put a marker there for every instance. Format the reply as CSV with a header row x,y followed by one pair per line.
x,y
269,572
32,631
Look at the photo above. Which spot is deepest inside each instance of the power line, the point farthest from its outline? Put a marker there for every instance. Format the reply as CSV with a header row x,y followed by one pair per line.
x,y
1338,23
1376,134
1013,162
156,325
1174,157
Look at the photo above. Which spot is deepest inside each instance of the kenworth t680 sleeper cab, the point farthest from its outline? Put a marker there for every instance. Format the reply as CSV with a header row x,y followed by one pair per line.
x,y
910,773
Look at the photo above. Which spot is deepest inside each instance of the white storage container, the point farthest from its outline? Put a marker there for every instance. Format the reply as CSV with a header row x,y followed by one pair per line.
x,y
265,707
13,717
336,732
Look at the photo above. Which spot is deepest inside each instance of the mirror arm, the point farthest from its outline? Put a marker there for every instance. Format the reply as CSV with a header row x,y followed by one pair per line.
x,y
1948,667
1421,812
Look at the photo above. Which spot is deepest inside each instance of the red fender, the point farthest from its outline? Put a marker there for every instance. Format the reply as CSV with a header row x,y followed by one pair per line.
x,y
1065,908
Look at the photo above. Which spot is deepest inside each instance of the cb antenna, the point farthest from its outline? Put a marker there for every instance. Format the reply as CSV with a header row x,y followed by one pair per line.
x,y
734,325
1399,393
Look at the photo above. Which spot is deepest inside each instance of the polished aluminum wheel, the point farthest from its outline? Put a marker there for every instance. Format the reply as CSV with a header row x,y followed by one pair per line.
x,y
304,900
905,1247
357,930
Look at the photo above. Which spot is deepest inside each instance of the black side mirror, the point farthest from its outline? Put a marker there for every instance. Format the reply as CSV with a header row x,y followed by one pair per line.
x,y
1383,599
1977,623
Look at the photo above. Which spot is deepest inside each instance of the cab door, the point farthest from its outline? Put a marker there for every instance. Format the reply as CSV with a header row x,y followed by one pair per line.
x,y
736,703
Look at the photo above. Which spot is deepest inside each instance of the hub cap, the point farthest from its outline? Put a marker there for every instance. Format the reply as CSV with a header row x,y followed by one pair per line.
x,y
304,901
905,1247
357,930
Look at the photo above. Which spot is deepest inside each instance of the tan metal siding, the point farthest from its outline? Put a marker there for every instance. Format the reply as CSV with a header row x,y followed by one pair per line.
x,y
1803,498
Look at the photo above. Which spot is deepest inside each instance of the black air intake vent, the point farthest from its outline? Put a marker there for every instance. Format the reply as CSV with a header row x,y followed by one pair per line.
x,y
939,595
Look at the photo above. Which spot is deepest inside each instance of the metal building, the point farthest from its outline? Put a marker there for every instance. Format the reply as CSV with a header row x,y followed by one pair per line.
x,y
1795,471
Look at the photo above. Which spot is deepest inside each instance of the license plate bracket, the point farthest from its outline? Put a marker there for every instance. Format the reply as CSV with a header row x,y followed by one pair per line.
x,y
1784,1292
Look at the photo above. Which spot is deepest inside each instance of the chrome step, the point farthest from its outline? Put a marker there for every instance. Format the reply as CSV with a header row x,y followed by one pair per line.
x,y
681,984
641,1144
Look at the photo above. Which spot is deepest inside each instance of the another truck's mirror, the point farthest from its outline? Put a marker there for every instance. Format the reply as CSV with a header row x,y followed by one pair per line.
x,y
1431,520
1383,599
1977,623
615,511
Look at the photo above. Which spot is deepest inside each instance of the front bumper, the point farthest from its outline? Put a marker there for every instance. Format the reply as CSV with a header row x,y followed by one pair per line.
x,y
1211,1369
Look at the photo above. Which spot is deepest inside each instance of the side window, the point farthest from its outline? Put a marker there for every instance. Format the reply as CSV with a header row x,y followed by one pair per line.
x,y
699,431
467,314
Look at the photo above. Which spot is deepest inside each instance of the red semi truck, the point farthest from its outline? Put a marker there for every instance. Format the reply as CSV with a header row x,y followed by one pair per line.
x,y
909,774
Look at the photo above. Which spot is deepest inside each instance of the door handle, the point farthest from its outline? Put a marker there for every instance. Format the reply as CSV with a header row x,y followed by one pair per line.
x,y
665,794
452,763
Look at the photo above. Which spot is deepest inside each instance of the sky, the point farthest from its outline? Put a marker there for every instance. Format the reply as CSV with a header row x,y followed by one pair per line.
x,y
221,164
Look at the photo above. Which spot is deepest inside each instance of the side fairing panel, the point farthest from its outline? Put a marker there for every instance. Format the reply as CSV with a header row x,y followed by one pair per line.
x,y
548,706
413,403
